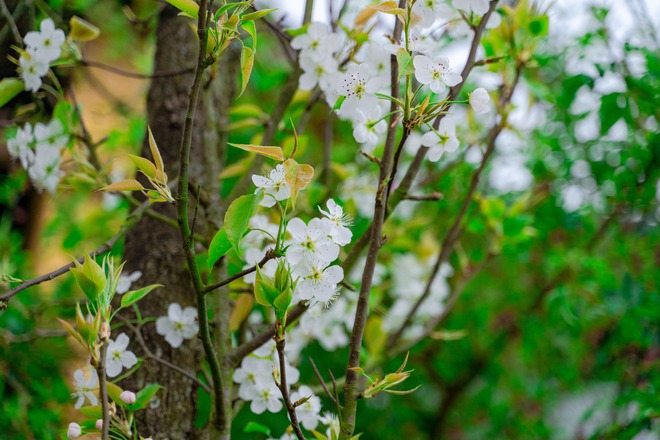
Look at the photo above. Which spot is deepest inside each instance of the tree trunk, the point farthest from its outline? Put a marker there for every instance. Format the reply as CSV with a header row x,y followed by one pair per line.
x,y
155,248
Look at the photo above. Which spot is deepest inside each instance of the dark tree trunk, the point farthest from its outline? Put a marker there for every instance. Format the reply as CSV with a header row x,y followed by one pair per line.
x,y
155,248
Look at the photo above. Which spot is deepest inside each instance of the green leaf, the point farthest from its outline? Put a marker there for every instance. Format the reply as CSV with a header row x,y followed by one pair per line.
x,y
258,14
90,277
405,62
144,165
251,29
256,427
9,88
227,7
93,412
187,6
220,245
136,295
338,103
144,396
238,217
114,392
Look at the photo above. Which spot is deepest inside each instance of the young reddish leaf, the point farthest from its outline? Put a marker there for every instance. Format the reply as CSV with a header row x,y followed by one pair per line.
x,y
297,176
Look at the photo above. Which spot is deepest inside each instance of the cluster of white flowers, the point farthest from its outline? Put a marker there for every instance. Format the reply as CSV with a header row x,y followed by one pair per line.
x,y
179,324
310,249
408,284
256,378
41,48
39,151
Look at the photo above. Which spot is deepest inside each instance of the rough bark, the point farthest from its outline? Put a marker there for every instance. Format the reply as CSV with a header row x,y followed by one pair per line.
x,y
155,248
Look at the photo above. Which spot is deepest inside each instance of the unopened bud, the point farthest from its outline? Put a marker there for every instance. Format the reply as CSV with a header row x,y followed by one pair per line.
x,y
104,335
74,430
99,424
128,397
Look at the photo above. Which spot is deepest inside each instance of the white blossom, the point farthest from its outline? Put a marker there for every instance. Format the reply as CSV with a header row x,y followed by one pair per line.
x,y
432,10
369,126
435,73
118,356
359,88
442,140
479,7
339,232
178,324
321,71
19,146
480,101
319,41
310,242
126,280
47,43
317,282
32,69
308,412
275,187
86,382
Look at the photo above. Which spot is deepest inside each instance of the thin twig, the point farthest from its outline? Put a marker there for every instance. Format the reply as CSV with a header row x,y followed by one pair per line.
x,y
284,390
136,75
133,219
270,254
103,392
187,243
322,382
12,24
150,354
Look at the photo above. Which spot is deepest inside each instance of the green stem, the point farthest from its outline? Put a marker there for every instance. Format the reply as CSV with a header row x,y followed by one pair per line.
x,y
185,231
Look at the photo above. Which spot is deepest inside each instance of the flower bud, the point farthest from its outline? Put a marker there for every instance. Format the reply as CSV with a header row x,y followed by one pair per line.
x,y
105,331
74,430
128,397
99,424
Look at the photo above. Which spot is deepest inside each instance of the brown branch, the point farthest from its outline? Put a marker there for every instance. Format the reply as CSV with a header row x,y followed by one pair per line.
x,y
351,392
284,389
103,391
455,231
134,218
136,75
270,254
322,382
10,20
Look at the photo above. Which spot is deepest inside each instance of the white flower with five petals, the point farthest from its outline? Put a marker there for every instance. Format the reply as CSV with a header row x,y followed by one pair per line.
x,y
435,73
275,187
308,412
335,213
32,69
316,282
118,356
442,140
179,324
86,382
47,43
310,242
